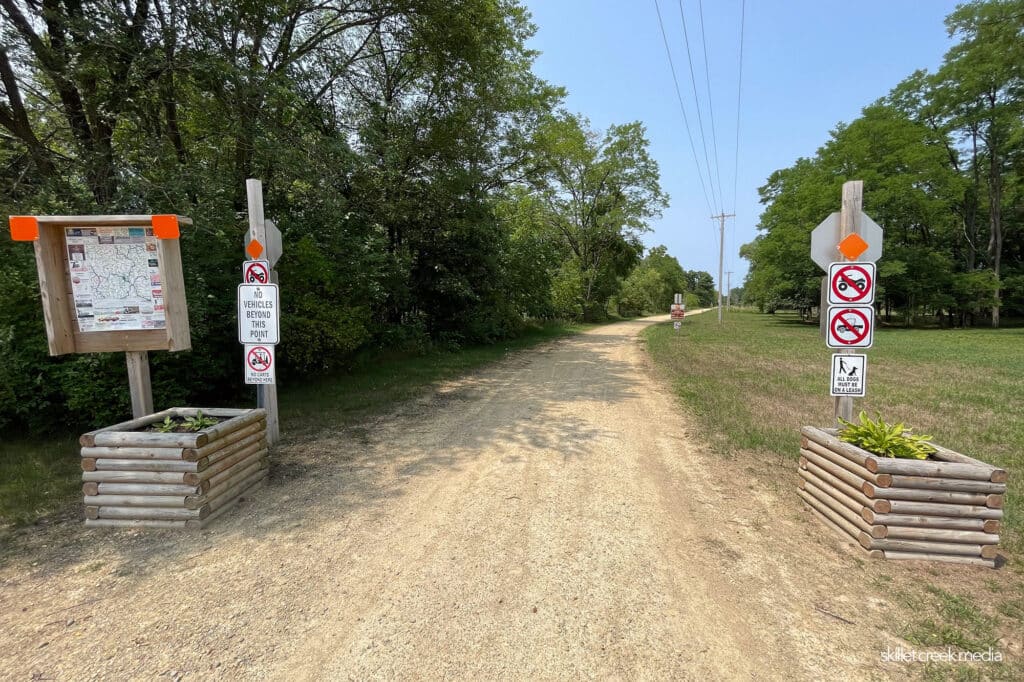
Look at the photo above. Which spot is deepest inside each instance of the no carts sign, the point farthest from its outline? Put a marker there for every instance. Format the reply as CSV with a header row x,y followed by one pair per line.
x,y
851,326
259,364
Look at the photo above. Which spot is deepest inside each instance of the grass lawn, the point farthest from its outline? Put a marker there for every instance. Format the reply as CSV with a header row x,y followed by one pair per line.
x,y
754,381
40,477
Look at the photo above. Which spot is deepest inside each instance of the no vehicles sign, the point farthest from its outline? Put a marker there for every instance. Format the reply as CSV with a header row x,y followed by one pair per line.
x,y
258,314
851,326
848,375
259,364
851,283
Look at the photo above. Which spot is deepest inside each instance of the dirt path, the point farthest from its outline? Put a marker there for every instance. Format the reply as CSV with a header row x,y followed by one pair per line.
x,y
546,517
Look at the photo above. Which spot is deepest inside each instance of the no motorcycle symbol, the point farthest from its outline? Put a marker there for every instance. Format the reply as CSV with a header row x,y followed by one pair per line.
x,y
850,326
851,283
256,272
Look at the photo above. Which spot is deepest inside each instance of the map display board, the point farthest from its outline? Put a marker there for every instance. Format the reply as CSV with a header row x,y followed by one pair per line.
x,y
115,278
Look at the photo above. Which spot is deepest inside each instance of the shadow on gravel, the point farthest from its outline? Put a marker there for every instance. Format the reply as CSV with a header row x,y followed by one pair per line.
x,y
531,404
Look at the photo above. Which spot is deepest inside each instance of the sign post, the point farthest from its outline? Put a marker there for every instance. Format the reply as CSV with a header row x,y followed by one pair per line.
x,y
850,224
263,238
846,246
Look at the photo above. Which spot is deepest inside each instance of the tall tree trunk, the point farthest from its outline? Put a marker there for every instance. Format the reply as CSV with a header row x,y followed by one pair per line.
x,y
995,201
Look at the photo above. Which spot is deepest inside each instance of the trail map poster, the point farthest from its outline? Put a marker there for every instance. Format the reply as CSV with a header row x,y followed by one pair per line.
x,y
115,278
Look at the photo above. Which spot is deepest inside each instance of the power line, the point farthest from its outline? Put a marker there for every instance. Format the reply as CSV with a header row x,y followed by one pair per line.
x,y
739,98
696,100
682,108
711,109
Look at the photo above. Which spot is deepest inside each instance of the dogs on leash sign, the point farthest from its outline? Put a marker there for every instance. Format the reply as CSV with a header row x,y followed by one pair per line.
x,y
848,375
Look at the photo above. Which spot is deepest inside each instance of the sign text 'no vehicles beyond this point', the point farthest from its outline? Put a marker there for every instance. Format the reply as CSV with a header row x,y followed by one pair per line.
x,y
258,314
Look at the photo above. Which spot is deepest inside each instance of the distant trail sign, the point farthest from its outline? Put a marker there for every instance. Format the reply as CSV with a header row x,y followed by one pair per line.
x,y
851,283
851,326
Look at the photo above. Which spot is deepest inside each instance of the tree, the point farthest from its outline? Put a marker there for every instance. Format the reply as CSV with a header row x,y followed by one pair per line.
x,y
599,192
653,283
981,84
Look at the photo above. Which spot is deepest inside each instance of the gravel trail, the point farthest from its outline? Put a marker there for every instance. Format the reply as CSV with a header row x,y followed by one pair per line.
x,y
548,517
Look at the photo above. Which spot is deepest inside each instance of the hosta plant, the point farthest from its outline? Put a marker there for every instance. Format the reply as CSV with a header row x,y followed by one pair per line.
x,y
885,440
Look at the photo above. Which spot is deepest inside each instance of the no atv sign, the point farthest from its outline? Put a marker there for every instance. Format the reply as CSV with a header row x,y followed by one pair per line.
x,y
851,283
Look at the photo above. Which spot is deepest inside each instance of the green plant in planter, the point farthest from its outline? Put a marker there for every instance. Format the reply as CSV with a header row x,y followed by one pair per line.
x,y
885,440
166,426
199,422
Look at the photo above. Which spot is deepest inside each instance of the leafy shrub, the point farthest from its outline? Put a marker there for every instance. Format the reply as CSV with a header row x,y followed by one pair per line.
x,y
885,440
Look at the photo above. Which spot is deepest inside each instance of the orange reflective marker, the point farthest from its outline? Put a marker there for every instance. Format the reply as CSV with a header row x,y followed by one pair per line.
x,y
853,246
24,228
254,249
166,226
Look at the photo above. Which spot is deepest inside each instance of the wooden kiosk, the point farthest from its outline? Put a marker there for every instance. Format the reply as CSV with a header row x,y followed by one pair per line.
x,y
111,283
115,284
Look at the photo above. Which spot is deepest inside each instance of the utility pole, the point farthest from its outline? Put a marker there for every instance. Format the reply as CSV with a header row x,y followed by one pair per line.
x,y
721,255
728,288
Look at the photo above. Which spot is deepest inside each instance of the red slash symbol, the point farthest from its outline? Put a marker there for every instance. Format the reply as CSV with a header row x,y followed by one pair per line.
x,y
851,284
255,274
850,327
259,359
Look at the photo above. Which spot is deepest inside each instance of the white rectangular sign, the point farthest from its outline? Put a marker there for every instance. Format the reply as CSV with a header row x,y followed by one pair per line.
x,y
848,375
850,326
259,364
258,314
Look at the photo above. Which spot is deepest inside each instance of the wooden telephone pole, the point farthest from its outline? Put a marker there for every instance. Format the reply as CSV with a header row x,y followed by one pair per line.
x,y
721,255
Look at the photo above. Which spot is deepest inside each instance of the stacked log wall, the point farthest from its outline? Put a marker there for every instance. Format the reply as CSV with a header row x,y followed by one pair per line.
x,y
947,508
136,478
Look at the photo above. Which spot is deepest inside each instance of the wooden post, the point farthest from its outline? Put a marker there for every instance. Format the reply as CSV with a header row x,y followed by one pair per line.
x,y
849,223
139,383
266,394
823,309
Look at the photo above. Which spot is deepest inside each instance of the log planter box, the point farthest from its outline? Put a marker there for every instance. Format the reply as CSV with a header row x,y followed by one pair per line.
x,y
945,508
138,478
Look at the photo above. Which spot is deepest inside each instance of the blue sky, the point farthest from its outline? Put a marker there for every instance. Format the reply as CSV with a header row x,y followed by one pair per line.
x,y
807,65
